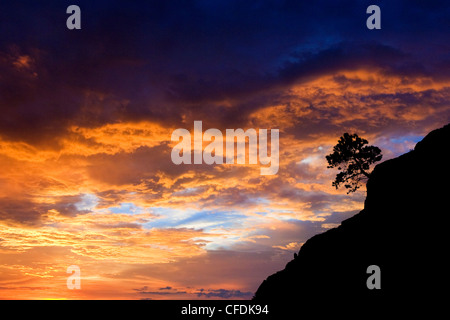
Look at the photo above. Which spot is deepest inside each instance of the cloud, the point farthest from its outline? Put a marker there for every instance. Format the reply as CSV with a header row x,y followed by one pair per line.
x,y
106,237
166,288
133,74
292,246
162,291
224,294
86,119
198,293
29,211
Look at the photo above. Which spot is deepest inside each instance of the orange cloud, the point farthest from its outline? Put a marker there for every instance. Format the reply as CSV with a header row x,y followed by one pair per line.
x,y
59,204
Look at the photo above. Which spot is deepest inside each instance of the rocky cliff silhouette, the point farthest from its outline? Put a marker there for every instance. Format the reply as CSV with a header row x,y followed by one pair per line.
x,y
401,229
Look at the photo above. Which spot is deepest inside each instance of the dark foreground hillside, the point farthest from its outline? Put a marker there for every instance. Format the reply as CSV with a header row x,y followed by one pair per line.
x,y
402,229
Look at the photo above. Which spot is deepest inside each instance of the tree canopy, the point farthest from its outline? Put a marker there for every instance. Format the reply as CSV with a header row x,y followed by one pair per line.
x,y
353,157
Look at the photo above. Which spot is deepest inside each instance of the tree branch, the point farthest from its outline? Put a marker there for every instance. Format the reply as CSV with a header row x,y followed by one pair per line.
x,y
360,168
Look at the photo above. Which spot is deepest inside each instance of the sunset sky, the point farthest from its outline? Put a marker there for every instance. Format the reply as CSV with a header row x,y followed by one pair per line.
x,y
86,118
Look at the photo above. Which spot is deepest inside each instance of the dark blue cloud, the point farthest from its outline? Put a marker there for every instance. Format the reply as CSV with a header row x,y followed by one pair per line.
x,y
223,293
172,57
